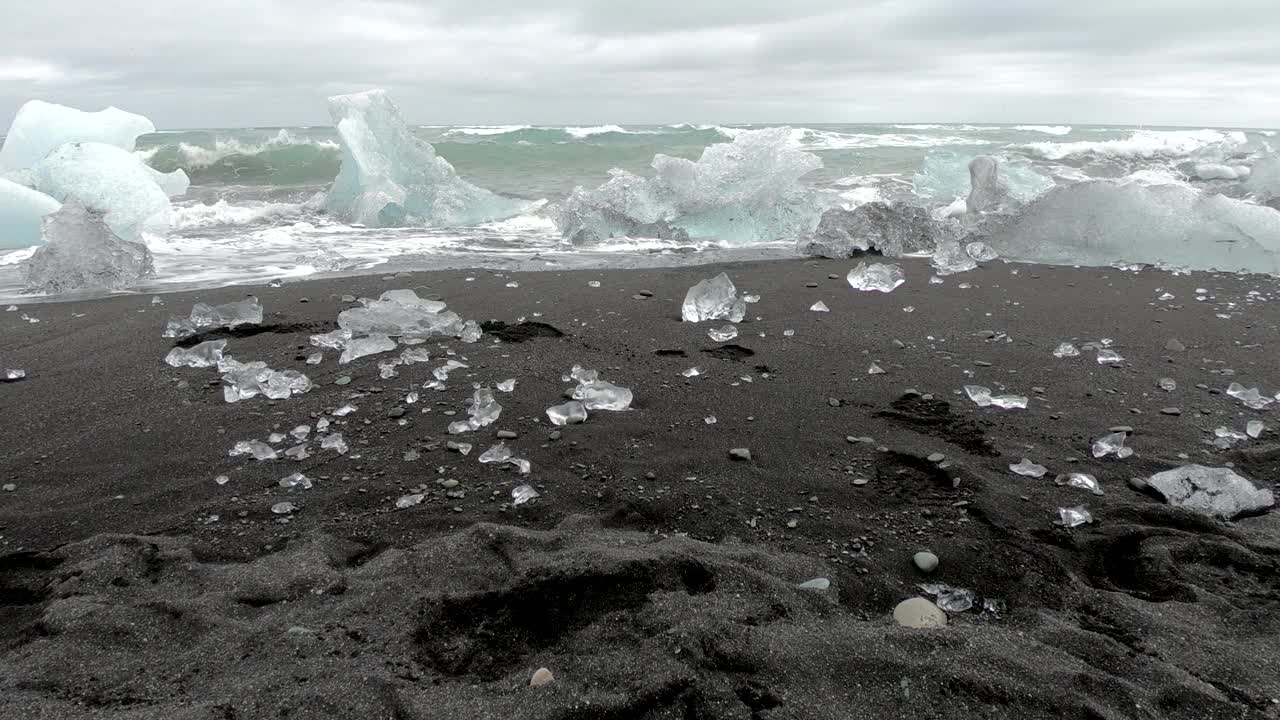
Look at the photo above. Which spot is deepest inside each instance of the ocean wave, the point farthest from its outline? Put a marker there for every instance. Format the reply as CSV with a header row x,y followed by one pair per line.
x,y
1141,144
223,213
831,140
282,159
195,157
586,132
1046,129
488,130
17,257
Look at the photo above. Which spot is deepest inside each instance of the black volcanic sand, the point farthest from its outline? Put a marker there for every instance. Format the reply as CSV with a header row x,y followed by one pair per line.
x,y
656,576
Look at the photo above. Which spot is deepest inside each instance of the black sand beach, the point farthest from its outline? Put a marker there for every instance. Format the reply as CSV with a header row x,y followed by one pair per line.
x,y
656,576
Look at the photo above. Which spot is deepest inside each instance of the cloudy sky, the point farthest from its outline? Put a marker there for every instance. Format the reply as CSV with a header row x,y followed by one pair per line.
x,y
218,63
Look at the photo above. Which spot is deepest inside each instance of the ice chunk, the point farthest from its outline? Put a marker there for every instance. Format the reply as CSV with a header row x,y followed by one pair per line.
x,y
601,395
81,253
1099,223
1113,444
950,257
21,210
983,398
1217,492
508,385
951,599
1109,357
40,127
1066,350
878,276
204,316
820,307
408,501
401,313
206,354
1026,468
743,192
1250,397
892,229
713,299
570,413
258,449
1082,481
357,348
523,494
484,410
980,252
110,180
1073,517
247,380
390,178
334,442
1255,428
296,480
723,334
12,375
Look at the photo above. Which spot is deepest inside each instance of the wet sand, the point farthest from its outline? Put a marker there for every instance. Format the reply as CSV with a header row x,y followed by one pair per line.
x,y
656,576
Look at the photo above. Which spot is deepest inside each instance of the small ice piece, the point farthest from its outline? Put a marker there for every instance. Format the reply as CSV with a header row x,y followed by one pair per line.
x,y
723,334
878,276
1026,468
484,408
979,394
387,368
570,413
1249,396
334,442
230,315
1066,350
12,374
362,347
1109,357
499,453
1073,517
713,299
1255,428
523,494
415,355
461,448
875,369
751,299
343,411
949,258
206,354
258,449
524,466
283,508
411,398
276,438
1081,481
951,599
593,283
981,252
601,395
983,398
710,420
222,479
788,333
246,380
1112,444
81,251
408,501
322,424
471,332
820,307
1168,384
334,340
691,372
315,358
507,385
296,480
298,453
442,373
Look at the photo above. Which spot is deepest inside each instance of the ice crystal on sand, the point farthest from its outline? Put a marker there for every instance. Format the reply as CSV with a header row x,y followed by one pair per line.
x,y
713,299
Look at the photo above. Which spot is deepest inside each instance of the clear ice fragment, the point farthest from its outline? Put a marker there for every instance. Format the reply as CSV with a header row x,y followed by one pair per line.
x,y
1109,357
1250,397
713,299
256,448
1073,517
820,307
878,276
570,413
523,494
723,334
1113,444
507,385
334,442
1081,481
357,348
296,480
1026,468
206,354
1066,350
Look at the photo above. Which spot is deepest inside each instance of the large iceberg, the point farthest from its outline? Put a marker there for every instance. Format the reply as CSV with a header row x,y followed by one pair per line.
x,y
81,252
947,176
892,229
107,179
743,192
40,127
21,210
1100,223
391,178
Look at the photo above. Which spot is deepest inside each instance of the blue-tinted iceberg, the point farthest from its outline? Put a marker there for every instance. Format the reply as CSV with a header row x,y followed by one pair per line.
x,y
40,127
390,178
21,210
1100,223
743,192
80,252
107,179
947,176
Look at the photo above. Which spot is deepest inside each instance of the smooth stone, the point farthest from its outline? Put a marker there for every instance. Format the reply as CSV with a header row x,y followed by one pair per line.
x,y
740,454
1171,411
1174,345
936,458
926,561
816,584
541,677
396,412
344,380
555,435
811,285
507,435
1139,484
917,612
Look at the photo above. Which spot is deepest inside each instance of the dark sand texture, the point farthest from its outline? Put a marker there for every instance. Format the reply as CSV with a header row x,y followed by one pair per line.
x,y
656,576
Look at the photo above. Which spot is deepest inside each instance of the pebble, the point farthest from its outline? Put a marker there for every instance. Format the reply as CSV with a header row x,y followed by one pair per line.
x,y
917,612
811,285
1174,345
555,435
936,458
396,412
816,584
1137,483
833,402
740,454
508,435
646,293
541,676
1171,411
9,487
926,561
1122,428
344,380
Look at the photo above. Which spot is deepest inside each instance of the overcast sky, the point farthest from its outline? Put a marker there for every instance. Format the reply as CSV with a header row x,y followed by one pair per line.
x,y
218,63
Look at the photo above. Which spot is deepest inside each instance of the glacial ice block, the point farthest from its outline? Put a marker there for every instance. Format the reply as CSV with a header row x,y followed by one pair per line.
x,y
40,127
892,229
21,209
946,176
713,299
743,192
390,178
81,252
107,179
1099,223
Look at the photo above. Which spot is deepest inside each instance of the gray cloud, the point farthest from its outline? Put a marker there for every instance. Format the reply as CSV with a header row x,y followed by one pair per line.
x,y
272,62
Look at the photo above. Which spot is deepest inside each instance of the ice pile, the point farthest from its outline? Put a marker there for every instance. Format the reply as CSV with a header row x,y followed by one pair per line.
x,y
713,299
592,393
484,410
369,329
877,276
208,317
80,251
1217,492
743,192
893,230
246,380
390,178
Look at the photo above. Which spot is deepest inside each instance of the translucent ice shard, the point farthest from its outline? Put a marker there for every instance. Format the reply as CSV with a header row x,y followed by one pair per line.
x,y
391,178
109,180
950,257
258,449
408,501
206,354
1026,468
1082,481
601,395
713,299
820,307
484,410
570,413
401,313
1255,428
1073,517
744,192
1250,397
723,334
1113,444
357,348
334,442
12,375
1109,357
982,397
296,480
523,494
205,317
1066,350
21,210
508,385
81,252
40,127
878,276
242,381
951,599
499,453
980,252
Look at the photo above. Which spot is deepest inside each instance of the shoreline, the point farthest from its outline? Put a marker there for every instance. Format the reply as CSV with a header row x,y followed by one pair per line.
x,y
648,538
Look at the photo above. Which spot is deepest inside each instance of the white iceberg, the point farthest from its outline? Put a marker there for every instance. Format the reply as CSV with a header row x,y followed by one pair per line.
x,y
81,252
390,178
21,210
41,127
743,192
107,179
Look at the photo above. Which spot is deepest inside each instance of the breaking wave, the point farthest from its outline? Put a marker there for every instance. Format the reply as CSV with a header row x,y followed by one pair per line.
x,y
223,213
282,159
1046,129
1143,144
